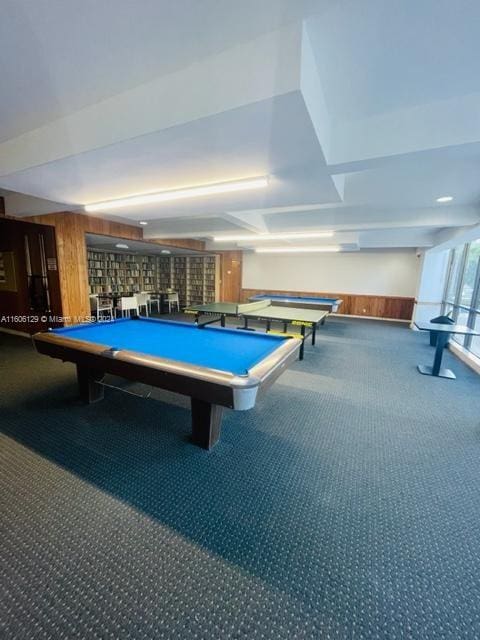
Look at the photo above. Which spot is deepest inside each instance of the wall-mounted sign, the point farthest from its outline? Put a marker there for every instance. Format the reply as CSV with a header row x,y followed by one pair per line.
x,y
7,271
52,264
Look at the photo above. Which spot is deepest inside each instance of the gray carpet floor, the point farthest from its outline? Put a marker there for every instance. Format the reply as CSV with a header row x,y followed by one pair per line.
x,y
345,505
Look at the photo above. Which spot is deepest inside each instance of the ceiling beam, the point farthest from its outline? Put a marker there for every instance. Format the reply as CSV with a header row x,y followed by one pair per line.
x,y
449,238
249,220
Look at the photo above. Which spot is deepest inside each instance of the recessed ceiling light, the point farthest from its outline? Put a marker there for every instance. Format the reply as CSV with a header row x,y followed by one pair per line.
x,y
121,246
303,235
166,251
300,249
445,199
178,194
143,223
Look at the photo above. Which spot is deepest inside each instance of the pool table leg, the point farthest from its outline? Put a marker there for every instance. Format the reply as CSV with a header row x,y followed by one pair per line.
x,y
90,390
206,423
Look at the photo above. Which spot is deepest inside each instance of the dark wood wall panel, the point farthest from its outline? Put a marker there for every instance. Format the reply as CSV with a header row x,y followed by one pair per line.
x,y
391,307
230,275
18,304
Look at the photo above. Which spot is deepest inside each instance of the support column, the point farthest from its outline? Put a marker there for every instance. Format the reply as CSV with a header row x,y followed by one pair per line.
x,y
431,285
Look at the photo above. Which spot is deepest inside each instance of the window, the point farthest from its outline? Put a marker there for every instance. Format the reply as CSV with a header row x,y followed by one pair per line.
x,y
462,292
454,274
470,274
475,343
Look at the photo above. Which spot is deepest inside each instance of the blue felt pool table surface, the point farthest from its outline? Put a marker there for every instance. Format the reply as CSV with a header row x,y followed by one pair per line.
x,y
293,298
231,350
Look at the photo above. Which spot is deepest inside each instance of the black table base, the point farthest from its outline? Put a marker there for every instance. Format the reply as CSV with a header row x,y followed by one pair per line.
x,y
427,370
443,333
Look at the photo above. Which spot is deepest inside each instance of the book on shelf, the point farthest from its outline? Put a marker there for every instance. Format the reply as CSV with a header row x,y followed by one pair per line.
x,y
193,277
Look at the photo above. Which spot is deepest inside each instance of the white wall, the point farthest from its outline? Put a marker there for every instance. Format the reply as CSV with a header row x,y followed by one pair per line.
x,y
388,273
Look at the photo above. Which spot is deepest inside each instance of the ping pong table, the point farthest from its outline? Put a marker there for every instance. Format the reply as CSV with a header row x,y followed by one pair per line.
x,y
261,311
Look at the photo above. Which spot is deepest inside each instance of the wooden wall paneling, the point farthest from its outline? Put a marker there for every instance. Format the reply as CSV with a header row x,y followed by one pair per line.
x,y
391,307
180,243
398,308
364,306
73,269
72,255
92,224
230,276
218,278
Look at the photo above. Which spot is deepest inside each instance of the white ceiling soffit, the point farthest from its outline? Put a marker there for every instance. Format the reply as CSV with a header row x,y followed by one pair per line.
x,y
362,114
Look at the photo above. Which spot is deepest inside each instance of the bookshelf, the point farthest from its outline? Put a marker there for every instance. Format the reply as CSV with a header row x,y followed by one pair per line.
x,y
195,278
114,272
211,282
149,273
179,279
164,273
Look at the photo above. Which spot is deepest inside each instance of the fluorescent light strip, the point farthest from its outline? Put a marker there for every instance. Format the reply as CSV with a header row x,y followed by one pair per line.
x,y
305,249
178,194
275,236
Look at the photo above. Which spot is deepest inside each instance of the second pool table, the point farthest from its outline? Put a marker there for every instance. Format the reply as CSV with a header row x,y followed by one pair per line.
x,y
215,366
300,302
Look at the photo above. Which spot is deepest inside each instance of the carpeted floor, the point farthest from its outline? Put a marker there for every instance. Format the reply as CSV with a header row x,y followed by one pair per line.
x,y
345,505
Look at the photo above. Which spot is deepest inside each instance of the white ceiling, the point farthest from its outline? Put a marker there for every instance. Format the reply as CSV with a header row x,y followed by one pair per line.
x,y
378,56
58,56
362,114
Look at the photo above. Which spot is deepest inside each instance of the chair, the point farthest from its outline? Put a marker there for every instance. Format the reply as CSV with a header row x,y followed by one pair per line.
x,y
143,300
173,301
127,304
154,299
99,306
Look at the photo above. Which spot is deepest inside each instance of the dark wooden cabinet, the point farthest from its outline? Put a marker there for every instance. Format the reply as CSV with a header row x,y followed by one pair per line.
x,y
30,294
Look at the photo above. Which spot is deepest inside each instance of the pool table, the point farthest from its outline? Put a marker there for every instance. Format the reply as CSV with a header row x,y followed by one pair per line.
x,y
300,302
215,366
